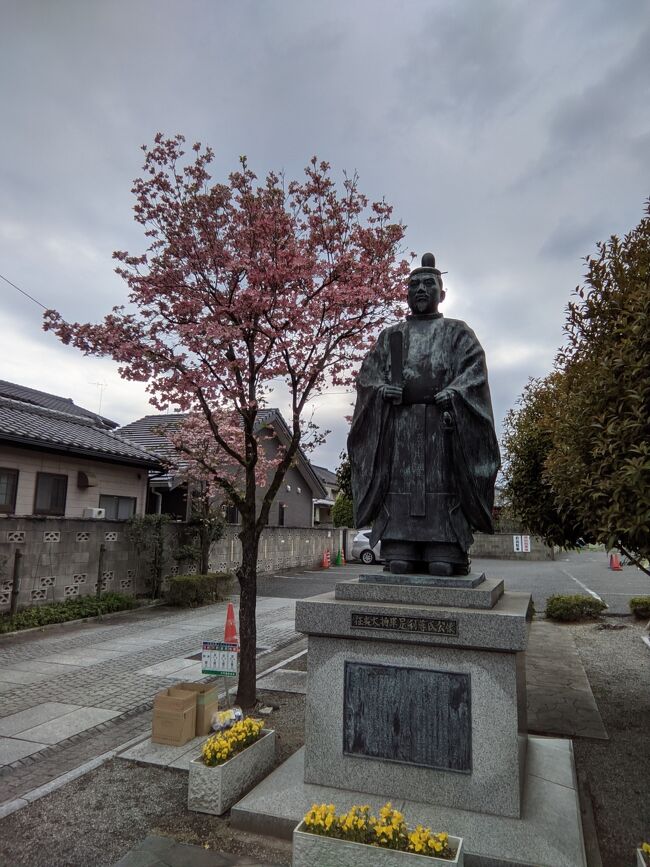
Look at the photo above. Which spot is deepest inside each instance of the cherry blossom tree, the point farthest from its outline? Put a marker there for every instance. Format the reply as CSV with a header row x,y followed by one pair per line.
x,y
245,287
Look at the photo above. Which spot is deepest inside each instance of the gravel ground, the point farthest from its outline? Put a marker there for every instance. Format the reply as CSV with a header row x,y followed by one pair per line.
x,y
96,819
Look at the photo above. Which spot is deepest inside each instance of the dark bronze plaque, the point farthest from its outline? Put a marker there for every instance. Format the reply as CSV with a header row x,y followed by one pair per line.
x,y
426,625
411,715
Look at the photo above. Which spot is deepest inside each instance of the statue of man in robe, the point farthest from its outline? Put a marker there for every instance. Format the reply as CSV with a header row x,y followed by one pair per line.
x,y
423,450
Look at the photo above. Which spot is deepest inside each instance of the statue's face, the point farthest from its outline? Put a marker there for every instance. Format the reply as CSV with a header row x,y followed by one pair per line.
x,y
424,293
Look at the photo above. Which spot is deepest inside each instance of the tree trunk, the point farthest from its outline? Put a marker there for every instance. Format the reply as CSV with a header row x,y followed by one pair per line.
x,y
247,577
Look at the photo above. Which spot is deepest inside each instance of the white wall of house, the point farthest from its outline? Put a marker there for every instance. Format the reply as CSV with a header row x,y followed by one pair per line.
x,y
112,480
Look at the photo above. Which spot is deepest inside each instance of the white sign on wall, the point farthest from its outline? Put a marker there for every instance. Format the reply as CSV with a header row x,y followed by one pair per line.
x,y
521,544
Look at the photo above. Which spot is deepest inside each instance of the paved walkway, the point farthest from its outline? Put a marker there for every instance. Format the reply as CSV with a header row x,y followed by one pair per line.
x,y
70,695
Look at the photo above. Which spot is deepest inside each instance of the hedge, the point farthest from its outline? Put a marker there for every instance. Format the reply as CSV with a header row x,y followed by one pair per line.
x,y
640,607
70,609
189,591
571,608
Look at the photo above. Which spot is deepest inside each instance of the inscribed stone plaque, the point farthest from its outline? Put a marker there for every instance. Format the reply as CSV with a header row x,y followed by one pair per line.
x,y
427,625
411,715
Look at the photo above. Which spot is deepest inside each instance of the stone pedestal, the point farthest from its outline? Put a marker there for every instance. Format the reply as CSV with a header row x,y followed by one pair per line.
x,y
409,691
416,694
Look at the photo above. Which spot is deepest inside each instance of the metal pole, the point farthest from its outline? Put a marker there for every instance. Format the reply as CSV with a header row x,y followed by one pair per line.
x,y
100,569
15,586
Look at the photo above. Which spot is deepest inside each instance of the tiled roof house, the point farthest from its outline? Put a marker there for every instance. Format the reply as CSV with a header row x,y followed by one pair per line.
x,y
59,459
293,503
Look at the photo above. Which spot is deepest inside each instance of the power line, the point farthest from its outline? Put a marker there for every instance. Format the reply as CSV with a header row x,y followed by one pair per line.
x,y
22,291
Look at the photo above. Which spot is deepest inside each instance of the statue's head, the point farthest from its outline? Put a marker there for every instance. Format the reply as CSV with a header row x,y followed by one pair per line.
x,y
425,287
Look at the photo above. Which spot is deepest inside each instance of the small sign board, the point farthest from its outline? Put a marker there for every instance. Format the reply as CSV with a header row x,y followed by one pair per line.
x,y
219,658
525,544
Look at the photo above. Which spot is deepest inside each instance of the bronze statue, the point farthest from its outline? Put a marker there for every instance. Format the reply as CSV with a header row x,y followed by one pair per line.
x,y
422,446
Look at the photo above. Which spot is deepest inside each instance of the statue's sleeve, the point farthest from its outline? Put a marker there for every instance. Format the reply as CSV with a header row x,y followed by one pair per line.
x,y
370,441
476,449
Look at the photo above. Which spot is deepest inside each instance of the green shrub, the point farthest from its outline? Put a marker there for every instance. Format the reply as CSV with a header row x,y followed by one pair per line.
x,y
188,591
70,609
640,607
573,607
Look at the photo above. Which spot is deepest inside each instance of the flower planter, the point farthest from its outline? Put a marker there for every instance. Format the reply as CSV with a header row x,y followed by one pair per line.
x,y
312,850
215,790
641,860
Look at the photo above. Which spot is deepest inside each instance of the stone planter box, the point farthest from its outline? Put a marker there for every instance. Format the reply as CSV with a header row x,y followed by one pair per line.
x,y
640,859
215,790
312,850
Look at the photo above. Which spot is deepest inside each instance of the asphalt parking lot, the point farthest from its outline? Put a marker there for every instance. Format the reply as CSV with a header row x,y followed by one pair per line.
x,y
584,572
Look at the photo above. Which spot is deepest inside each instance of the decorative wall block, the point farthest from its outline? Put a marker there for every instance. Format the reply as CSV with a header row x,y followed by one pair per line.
x,y
80,578
38,595
48,581
71,590
126,584
5,585
102,586
110,536
52,536
82,536
174,570
16,536
108,576
5,597
191,570
130,573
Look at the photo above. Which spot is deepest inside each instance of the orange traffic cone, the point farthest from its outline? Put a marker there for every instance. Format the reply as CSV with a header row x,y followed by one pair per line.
x,y
230,633
615,563
326,559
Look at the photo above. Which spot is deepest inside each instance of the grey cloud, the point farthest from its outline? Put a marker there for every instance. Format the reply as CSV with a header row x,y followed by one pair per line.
x,y
575,240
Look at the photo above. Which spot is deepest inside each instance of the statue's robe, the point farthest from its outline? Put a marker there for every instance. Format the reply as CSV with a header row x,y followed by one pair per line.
x,y
423,472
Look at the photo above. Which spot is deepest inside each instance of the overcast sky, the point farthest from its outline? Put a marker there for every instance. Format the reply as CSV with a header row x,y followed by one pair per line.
x,y
509,136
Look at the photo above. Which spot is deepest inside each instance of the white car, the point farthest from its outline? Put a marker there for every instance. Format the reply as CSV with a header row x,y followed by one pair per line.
x,y
361,549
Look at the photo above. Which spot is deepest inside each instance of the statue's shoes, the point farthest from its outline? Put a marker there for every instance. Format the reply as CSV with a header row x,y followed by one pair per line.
x,y
401,567
437,567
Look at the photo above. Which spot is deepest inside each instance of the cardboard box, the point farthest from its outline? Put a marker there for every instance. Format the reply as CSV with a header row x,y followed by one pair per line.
x,y
174,717
207,704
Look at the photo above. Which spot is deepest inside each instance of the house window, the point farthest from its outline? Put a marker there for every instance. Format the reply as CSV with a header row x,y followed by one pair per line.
x,y
8,486
50,496
230,513
282,510
117,508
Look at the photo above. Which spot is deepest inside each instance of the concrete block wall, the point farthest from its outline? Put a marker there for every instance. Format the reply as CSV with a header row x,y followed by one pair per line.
x,y
60,559
60,556
500,546
280,548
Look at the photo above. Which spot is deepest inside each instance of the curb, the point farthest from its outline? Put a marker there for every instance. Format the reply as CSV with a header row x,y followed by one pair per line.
x,y
10,807
110,616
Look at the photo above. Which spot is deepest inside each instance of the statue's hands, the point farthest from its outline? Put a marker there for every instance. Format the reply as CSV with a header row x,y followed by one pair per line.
x,y
443,398
392,393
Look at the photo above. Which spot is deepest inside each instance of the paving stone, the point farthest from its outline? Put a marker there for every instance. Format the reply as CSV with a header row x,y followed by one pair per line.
x,y
284,680
65,726
11,749
33,716
14,676
42,667
167,668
